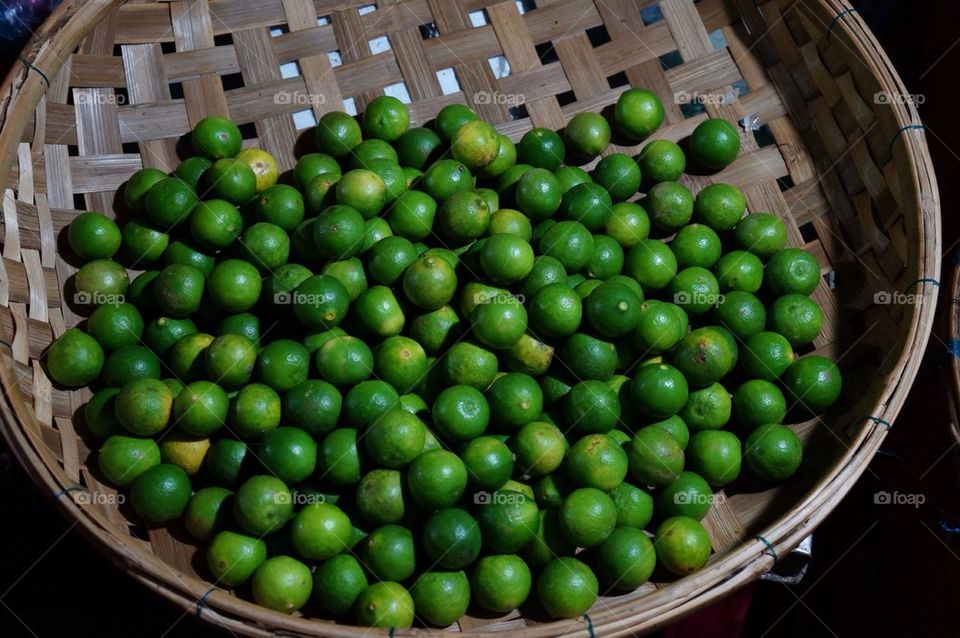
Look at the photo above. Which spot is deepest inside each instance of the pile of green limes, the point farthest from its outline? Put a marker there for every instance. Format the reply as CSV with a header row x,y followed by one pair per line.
x,y
431,367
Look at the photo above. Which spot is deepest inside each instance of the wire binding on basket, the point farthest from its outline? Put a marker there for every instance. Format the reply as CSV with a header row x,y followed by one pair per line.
x,y
908,127
833,22
946,525
202,601
953,346
925,280
769,550
30,66
877,420
66,490
590,629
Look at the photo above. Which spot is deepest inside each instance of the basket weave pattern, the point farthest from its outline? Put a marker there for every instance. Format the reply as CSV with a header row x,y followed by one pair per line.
x,y
108,87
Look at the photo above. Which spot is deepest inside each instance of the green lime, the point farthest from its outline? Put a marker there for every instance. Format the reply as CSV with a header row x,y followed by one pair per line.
x,y
656,457
660,326
435,330
368,401
792,271
216,137
661,161
460,413
539,448
651,263
774,452
191,170
263,164
538,194
506,158
758,402
135,189
688,495
596,461
588,517
463,216
178,290
705,355
140,292
741,313
719,206
289,453
714,455
626,560
634,505
507,221
515,399
124,458
707,408
224,461
696,245
451,538
380,496
570,176
143,406
362,190
345,361
116,326
395,439
762,234
546,270
814,382
587,135
369,150
489,462
187,355
338,460
320,301
627,224
183,253
566,588
350,273
549,542
394,179
234,285
607,260
638,113
282,584
93,236
387,260
230,360
430,282
266,246
201,408
613,310
141,242
555,311
163,333
588,357
714,144
161,493
739,270
475,144
388,553
320,531
570,243
385,118
676,428
468,364
587,203
437,479
541,148
378,312
254,411
169,202
412,215
263,505
320,193
499,324
619,175
417,147
796,317
659,390
130,363
766,355
500,583
233,557
592,406
338,582
401,362
337,133
282,205
100,282
441,598
683,545
208,511
386,605
98,413
670,205
232,180
507,520
445,178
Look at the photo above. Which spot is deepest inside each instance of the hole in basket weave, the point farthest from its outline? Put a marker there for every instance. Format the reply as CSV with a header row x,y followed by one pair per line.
x,y
526,5
399,91
176,90
130,148
231,81
808,232
785,183
567,97
248,131
224,39
379,45
168,46
651,14
429,30
689,109
518,112
764,136
279,29
617,80
499,65
367,8
598,35
546,53
335,58
448,80
479,18
670,60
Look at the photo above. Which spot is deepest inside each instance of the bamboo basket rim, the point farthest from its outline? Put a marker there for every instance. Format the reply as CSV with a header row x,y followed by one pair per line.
x,y
19,95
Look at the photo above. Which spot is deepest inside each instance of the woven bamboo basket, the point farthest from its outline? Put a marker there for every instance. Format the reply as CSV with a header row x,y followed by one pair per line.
x,y
106,87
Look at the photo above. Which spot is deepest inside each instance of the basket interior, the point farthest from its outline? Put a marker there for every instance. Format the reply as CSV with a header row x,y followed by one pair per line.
x,y
819,150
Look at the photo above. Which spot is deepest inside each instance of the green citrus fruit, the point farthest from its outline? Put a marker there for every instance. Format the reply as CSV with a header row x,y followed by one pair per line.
x,y
762,234
541,148
74,359
337,133
661,161
93,236
587,135
216,137
714,144
263,505
123,458
386,605
773,452
588,517
338,582
161,493
705,355
814,382
441,598
792,271
656,457
683,545
715,455
638,113
627,559
719,206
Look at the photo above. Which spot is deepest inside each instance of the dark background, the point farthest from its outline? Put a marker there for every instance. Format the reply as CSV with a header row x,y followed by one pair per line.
x,y
877,570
